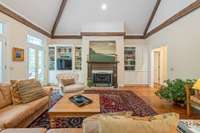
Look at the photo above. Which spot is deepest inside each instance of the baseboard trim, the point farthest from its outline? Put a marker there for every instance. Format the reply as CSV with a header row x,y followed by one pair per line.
x,y
136,85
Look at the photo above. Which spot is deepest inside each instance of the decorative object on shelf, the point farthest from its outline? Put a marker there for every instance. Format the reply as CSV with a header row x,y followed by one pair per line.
x,y
129,58
18,54
174,91
78,58
80,100
51,58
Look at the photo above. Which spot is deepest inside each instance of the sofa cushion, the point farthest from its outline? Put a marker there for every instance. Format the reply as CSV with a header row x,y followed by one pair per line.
x,y
11,116
25,130
73,88
92,125
5,95
166,123
67,82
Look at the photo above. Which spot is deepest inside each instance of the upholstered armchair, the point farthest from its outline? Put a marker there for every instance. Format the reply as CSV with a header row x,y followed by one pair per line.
x,y
73,86
192,96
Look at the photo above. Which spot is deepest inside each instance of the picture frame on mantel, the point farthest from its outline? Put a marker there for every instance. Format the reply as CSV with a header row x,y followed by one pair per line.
x,y
18,54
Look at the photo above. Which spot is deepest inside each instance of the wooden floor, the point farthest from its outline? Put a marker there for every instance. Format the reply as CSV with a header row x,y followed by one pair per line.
x,y
160,105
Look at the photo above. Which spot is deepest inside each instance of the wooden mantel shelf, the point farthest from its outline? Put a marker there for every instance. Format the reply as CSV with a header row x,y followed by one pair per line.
x,y
93,62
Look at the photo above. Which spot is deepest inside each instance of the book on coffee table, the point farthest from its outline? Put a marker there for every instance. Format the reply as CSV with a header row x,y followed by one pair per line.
x,y
80,100
189,126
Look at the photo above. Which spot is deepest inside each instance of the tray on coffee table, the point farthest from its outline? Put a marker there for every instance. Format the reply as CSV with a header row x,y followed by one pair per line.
x,y
80,100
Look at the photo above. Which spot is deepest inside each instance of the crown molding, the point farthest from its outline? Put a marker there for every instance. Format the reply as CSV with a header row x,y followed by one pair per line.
x,y
103,33
189,9
133,37
22,20
67,37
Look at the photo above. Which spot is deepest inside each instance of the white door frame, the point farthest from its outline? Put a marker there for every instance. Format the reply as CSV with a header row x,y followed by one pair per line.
x,y
163,64
4,60
37,48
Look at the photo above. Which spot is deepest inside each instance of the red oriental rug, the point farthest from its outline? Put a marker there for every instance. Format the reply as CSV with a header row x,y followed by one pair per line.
x,y
110,101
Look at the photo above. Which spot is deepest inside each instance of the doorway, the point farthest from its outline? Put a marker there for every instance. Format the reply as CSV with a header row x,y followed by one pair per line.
x,y
36,64
157,68
2,61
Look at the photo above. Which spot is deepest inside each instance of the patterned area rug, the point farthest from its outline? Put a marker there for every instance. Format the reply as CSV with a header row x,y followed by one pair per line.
x,y
110,101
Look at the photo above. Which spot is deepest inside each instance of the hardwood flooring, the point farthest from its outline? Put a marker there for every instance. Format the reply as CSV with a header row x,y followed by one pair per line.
x,y
161,105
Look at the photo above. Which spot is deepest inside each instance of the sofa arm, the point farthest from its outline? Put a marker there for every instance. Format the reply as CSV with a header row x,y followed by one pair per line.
x,y
48,90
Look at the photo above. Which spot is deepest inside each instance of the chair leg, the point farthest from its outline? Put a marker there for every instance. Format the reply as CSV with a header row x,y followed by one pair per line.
x,y
189,109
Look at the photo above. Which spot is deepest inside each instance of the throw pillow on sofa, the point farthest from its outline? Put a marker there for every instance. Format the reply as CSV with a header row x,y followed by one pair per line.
x,y
67,82
28,90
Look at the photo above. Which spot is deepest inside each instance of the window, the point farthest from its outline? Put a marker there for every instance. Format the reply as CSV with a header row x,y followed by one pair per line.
x,y
64,58
34,40
78,58
129,58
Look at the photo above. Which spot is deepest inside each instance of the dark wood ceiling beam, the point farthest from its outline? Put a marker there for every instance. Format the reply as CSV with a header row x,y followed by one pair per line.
x,y
152,17
103,33
58,17
22,20
189,9
133,37
67,37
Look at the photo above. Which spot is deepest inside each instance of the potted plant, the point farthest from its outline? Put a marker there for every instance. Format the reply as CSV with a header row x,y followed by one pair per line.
x,y
89,83
174,91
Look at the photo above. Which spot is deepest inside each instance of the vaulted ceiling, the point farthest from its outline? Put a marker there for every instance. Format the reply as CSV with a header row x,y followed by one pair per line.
x,y
134,13
66,17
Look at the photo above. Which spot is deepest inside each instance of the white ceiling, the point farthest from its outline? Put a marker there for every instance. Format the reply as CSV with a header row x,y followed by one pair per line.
x,y
134,13
40,12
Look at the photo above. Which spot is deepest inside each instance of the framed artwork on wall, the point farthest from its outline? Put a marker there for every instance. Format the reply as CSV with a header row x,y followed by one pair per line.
x,y
18,54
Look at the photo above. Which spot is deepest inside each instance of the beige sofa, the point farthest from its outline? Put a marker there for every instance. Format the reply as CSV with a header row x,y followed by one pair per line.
x,y
13,116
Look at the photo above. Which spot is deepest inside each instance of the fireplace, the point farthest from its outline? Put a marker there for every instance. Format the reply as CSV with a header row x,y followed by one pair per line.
x,y
102,78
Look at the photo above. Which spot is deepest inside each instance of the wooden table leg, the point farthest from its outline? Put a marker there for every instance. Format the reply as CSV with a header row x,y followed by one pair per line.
x,y
52,122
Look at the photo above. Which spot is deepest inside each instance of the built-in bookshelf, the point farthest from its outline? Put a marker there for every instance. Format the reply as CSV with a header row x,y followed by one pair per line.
x,y
60,58
129,58
78,58
51,58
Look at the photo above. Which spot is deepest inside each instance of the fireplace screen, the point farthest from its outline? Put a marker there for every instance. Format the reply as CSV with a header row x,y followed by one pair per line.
x,y
102,79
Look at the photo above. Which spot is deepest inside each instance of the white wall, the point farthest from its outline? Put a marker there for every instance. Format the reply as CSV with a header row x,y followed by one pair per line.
x,y
167,9
16,37
182,39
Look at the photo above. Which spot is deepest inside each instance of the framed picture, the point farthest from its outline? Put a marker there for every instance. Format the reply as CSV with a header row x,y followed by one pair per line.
x,y
18,54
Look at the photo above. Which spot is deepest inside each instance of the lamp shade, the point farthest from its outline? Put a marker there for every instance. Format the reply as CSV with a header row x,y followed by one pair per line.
x,y
197,85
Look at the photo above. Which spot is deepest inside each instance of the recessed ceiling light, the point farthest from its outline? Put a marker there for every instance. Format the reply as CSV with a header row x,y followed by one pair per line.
x,y
104,6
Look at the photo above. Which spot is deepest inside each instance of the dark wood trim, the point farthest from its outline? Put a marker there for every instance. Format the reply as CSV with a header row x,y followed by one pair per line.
x,y
67,37
133,37
22,20
152,17
103,33
192,7
60,12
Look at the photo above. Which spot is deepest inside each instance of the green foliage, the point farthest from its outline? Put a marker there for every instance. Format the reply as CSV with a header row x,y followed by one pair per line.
x,y
173,90
89,83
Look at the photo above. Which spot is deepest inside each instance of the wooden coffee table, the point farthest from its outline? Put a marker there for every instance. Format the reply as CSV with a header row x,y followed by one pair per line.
x,y
65,108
